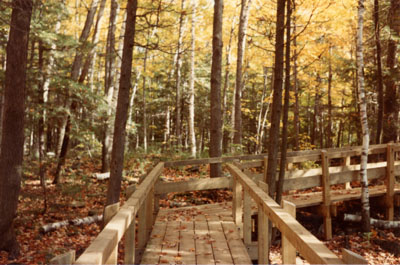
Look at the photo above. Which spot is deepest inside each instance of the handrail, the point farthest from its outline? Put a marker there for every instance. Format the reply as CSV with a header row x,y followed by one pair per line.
x,y
100,250
307,244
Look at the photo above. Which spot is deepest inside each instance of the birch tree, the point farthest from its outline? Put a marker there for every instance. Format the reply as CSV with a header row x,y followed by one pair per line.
x,y
362,101
192,135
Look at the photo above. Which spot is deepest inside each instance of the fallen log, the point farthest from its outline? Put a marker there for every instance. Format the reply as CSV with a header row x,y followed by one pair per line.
x,y
77,221
384,224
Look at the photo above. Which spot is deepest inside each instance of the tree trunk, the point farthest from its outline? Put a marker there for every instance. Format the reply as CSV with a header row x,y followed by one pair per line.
x,y
273,147
329,130
191,84
390,100
215,94
282,167
12,143
244,17
379,79
117,155
296,111
144,101
109,87
366,225
178,76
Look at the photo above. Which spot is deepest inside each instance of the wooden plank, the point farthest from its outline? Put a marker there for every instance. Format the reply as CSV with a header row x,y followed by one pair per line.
x,y
130,248
236,246
263,237
193,185
222,254
142,226
349,257
237,202
346,163
308,245
169,252
288,251
390,182
187,245
109,212
326,195
154,246
66,258
246,217
204,252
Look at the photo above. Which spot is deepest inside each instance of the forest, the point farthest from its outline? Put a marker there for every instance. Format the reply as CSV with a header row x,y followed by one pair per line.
x,y
93,93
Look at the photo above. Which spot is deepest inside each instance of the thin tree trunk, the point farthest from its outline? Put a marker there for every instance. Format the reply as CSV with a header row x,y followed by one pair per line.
x,y
273,147
366,225
191,84
117,155
329,131
244,17
260,121
109,87
379,79
296,112
282,167
178,76
12,143
215,94
144,102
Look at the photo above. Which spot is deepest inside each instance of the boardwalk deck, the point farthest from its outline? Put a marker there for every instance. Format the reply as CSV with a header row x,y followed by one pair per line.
x,y
196,235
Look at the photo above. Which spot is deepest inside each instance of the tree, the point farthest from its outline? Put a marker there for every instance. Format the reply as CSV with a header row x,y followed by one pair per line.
x,y
244,18
12,140
390,114
276,110
117,154
191,84
215,94
364,120
379,78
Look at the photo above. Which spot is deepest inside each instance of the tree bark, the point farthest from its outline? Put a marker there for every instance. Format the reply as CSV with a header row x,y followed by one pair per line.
x,y
244,18
117,155
390,101
329,131
366,225
192,135
296,111
379,79
12,142
215,94
273,147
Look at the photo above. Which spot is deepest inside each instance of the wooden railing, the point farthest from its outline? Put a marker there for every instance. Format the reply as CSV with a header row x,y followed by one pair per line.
x,y
104,248
294,235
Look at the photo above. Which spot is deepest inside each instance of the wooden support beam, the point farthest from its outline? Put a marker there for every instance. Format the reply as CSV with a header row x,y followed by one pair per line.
x,y
347,162
390,182
326,195
349,257
247,227
130,248
265,168
237,203
263,246
65,259
109,212
193,185
142,226
288,250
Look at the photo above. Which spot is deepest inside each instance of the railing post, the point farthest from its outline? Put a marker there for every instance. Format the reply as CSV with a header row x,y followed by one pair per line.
x,y
288,250
263,234
109,213
237,203
130,234
347,162
389,181
246,217
326,195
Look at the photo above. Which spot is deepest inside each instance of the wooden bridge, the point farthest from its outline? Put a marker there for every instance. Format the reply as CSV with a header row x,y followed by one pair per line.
x,y
221,233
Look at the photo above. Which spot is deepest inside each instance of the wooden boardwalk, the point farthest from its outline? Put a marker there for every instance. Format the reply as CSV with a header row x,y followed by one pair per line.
x,y
203,234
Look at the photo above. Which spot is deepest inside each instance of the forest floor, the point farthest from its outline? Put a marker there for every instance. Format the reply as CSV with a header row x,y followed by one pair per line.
x,y
81,195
